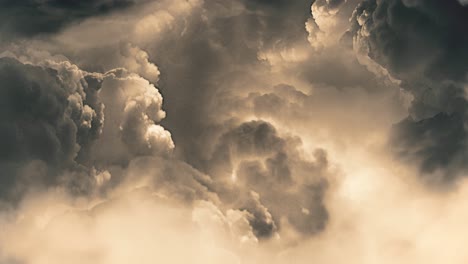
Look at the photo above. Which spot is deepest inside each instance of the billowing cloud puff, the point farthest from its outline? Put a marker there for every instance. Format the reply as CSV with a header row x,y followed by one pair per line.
x,y
46,115
133,107
136,60
56,116
323,27
256,169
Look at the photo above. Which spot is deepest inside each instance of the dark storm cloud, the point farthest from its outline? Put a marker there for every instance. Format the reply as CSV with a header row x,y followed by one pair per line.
x,y
59,123
265,171
440,142
32,17
423,43
411,38
43,119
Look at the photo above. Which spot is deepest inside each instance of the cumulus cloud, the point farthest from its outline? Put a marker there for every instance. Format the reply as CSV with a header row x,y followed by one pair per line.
x,y
59,119
248,131
133,107
257,166
136,60
45,116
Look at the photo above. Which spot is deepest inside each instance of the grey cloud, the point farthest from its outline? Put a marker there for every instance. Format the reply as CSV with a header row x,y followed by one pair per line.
x,y
33,17
58,123
253,157
44,116
260,219
439,144
133,110
423,43
433,46
275,16
123,55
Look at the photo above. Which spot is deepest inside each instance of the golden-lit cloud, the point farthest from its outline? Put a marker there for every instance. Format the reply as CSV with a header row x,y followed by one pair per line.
x,y
245,131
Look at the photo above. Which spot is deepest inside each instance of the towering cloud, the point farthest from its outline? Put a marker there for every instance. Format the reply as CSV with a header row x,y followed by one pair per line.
x,y
67,121
243,131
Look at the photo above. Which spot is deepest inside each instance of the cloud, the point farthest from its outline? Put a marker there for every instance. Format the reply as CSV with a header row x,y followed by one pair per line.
x,y
137,61
429,58
45,116
256,169
248,131
34,17
59,122
439,143
137,226
133,107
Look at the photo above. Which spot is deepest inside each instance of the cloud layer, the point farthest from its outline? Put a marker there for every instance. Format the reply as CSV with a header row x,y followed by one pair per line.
x,y
248,131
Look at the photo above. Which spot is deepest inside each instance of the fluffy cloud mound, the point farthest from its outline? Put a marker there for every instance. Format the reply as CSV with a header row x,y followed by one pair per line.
x,y
323,27
48,114
423,44
54,116
256,169
133,107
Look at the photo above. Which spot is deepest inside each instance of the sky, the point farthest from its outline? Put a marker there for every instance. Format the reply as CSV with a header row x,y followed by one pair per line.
x,y
233,131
